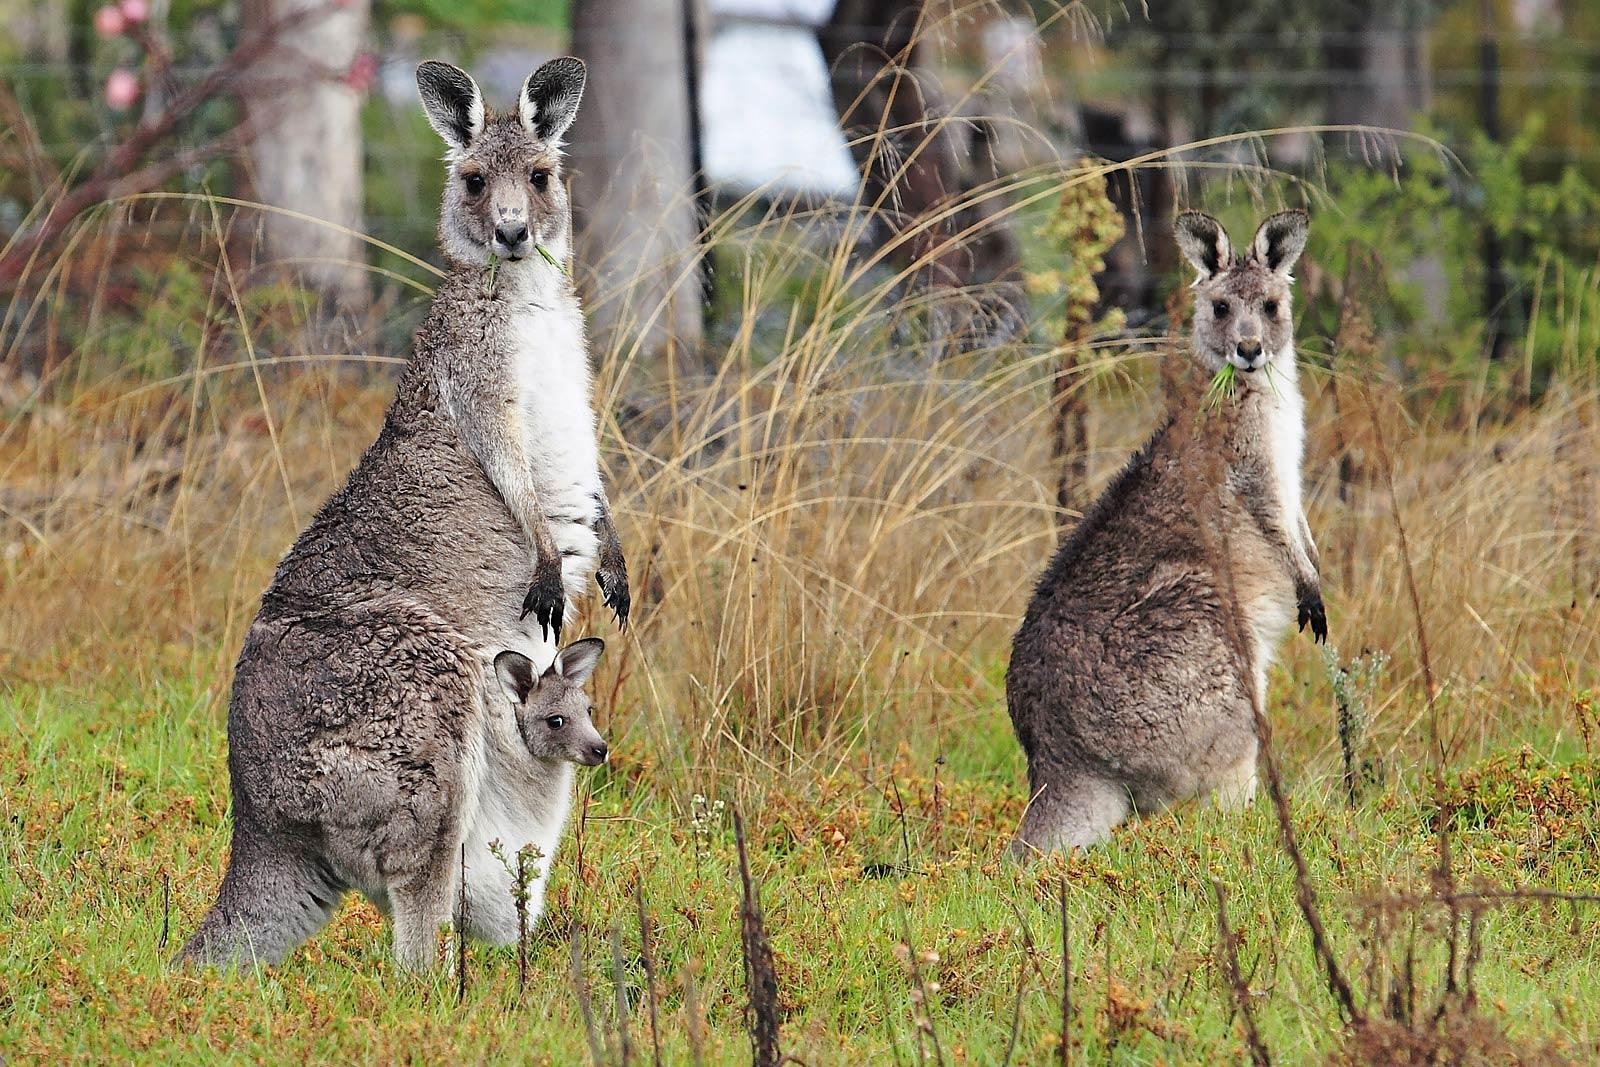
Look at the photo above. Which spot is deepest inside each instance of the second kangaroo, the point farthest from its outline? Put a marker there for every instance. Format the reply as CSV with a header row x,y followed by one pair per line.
x,y
1134,674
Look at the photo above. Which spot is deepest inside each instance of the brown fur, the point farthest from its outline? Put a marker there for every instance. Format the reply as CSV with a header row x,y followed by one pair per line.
x,y
1126,685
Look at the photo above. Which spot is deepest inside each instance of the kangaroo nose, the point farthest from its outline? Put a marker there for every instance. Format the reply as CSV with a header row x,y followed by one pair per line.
x,y
511,234
1250,352
599,752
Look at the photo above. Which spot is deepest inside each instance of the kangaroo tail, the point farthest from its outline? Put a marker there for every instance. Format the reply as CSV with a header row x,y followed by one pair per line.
x,y
273,897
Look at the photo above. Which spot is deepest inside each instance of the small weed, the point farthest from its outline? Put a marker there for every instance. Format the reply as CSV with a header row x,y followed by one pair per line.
x,y
1354,684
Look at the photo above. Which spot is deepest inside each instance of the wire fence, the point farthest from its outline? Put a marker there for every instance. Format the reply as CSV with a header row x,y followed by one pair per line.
x,y
1107,98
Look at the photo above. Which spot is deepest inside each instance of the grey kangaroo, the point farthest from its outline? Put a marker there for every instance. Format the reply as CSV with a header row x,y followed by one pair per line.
x,y
367,739
1126,685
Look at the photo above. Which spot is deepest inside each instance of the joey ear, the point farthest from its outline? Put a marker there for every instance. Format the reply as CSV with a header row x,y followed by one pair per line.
x,y
516,675
577,661
1280,240
452,102
1203,243
549,100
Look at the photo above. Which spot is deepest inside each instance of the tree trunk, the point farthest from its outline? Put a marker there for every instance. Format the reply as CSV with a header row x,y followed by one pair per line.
x,y
306,154
1378,57
911,168
632,180
907,157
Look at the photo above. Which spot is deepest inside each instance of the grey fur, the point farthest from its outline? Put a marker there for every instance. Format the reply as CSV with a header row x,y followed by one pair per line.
x,y
550,97
553,712
368,738
1129,686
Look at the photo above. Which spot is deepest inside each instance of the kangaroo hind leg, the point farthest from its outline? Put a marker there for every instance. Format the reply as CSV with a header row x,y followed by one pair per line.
x,y
1235,787
1076,812
421,904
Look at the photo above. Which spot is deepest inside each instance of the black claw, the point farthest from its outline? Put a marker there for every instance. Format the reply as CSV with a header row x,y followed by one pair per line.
x,y
1312,612
614,594
546,601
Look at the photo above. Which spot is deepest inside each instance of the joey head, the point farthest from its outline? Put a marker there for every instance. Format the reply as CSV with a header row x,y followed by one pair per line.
x,y
554,714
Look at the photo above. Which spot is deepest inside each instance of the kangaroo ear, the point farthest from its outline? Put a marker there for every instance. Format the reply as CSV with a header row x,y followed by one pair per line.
x,y
577,661
1203,243
452,101
516,675
549,100
1280,240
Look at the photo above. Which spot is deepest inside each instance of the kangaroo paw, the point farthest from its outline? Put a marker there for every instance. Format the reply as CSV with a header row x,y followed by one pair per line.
x,y
547,597
614,592
1312,612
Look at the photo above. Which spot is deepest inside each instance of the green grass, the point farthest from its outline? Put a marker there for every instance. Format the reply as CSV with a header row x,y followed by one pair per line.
x,y
824,601
111,784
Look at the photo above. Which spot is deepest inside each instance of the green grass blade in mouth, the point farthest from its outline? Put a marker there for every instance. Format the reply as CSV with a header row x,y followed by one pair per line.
x,y
550,258
1272,382
1224,386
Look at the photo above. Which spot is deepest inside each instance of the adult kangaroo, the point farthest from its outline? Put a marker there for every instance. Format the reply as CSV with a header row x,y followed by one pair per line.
x,y
1135,673
368,739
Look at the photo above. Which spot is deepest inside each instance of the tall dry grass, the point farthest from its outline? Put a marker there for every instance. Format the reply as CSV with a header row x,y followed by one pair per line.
x,y
832,534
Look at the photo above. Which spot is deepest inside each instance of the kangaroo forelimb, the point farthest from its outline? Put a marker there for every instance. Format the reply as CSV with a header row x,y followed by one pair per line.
x,y
612,573
489,426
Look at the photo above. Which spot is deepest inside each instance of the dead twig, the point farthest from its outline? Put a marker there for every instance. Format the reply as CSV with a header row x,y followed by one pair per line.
x,y
580,986
1066,980
760,972
647,950
461,932
1228,950
624,1036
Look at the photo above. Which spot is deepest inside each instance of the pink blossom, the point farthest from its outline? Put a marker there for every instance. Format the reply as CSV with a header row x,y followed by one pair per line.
x,y
362,70
134,10
109,21
122,89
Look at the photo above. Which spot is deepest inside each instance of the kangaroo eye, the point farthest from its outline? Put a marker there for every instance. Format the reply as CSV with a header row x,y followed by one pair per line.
x,y
474,183
556,722
1270,307
1219,308
540,178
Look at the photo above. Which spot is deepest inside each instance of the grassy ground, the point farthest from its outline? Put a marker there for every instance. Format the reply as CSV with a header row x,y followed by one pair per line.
x,y
113,792
831,544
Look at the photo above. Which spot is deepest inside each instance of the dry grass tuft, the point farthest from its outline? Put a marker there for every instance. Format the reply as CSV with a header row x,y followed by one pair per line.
x,y
1459,1038
835,535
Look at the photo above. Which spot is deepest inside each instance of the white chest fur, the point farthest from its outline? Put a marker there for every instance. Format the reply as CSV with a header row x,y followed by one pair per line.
x,y
551,363
1279,447
1285,433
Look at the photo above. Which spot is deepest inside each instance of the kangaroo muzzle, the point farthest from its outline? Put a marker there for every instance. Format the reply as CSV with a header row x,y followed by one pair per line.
x,y
592,753
511,237
1248,355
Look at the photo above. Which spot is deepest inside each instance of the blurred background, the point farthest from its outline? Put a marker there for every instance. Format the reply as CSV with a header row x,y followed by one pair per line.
x,y
930,124
881,292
